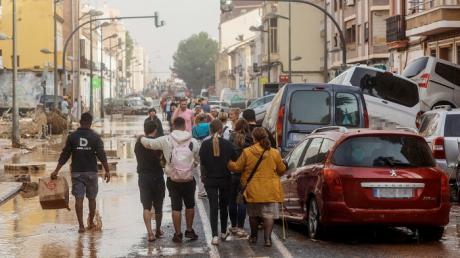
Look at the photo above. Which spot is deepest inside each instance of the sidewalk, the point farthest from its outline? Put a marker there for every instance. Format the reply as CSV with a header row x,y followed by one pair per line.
x,y
7,152
8,190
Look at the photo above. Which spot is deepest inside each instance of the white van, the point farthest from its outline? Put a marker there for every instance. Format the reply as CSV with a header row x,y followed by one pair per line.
x,y
392,100
438,80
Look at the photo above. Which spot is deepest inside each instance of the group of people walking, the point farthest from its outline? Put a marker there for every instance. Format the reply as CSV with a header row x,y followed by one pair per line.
x,y
232,163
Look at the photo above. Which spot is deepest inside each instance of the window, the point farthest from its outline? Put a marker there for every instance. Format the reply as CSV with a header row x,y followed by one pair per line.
x,y
386,86
273,35
358,34
325,148
416,67
296,155
366,31
350,33
346,110
312,153
433,52
335,5
448,72
384,151
1,52
340,3
451,129
445,53
336,40
458,54
300,111
428,125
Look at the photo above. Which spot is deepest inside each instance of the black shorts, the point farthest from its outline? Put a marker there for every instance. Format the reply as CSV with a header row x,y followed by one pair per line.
x,y
181,192
152,191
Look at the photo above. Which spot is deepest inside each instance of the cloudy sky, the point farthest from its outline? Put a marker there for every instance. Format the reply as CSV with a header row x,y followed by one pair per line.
x,y
183,18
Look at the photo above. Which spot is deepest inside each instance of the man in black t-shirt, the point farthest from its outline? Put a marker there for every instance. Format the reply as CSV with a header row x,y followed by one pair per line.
x,y
85,147
151,182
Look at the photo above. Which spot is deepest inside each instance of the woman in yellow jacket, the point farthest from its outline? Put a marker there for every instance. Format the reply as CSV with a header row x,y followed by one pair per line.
x,y
264,192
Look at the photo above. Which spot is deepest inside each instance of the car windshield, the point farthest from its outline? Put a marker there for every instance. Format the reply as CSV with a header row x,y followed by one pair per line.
x,y
383,151
452,127
310,107
386,86
416,67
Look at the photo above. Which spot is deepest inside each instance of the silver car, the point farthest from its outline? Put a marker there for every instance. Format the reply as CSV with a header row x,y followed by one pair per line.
x,y
438,81
260,106
441,129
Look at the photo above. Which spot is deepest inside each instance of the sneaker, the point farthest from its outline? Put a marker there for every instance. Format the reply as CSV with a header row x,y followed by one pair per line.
x,y
233,230
177,238
191,234
241,233
215,240
224,236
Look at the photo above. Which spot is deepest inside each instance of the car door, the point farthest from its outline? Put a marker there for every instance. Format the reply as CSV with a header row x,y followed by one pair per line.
x,y
299,178
287,180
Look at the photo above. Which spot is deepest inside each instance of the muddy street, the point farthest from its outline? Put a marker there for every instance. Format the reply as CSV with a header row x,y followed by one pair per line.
x,y
28,231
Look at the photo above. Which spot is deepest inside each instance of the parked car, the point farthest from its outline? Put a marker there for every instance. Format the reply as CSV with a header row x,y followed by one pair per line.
x,y
298,109
126,107
235,98
366,177
204,93
441,129
48,101
221,106
438,81
392,100
260,106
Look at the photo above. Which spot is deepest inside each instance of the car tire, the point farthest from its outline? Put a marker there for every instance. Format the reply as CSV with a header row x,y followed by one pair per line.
x,y
314,226
430,233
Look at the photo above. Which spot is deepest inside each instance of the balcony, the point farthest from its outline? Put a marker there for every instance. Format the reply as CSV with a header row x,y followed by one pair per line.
x,y
396,32
432,17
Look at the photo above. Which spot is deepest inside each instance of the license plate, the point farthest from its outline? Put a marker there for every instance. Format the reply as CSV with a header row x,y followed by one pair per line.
x,y
393,193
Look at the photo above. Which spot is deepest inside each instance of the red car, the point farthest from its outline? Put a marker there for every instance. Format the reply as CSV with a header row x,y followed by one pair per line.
x,y
364,177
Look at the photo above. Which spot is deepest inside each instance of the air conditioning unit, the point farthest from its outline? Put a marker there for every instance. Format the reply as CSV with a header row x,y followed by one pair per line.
x,y
350,2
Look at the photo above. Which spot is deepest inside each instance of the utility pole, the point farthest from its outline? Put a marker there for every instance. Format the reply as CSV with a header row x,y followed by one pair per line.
x,y
16,137
290,43
56,81
91,104
110,65
102,73
269,50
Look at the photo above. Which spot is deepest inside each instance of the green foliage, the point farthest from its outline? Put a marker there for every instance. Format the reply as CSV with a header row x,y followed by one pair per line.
x,y
194,61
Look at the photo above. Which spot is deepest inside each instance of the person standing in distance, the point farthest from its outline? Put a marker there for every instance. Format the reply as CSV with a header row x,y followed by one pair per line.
x,y
85,147
154,118
186,114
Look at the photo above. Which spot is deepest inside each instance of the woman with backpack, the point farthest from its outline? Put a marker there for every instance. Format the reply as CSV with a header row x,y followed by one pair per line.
x,y
241,139
215,153
261,167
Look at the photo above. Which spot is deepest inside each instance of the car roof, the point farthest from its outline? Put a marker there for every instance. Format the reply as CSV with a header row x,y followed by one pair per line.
x,y
443,111
382,71
335,135
322,85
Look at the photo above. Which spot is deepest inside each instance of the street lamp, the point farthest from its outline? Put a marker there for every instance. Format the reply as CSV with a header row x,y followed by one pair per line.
x,y
102,70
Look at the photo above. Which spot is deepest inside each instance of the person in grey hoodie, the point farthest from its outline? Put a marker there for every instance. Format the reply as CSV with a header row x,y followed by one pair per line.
x,y
179,192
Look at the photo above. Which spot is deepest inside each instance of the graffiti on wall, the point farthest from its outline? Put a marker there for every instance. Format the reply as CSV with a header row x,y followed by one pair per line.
x,y
29,88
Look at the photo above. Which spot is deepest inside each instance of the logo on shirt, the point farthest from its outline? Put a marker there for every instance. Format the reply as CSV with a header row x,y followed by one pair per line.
x,y
83,144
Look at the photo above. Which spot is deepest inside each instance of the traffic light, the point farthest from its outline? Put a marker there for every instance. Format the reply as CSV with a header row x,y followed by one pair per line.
x,y
158,23
226,5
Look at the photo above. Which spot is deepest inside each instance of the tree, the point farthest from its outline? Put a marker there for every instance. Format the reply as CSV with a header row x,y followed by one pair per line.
x,y
129,50
194,61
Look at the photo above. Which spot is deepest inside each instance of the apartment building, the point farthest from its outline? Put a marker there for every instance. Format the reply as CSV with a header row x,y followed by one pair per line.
x,y
33,38
363,23
423,28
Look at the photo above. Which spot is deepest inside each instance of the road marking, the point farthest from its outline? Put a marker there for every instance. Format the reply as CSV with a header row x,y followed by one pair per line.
x,y
213,251
280,246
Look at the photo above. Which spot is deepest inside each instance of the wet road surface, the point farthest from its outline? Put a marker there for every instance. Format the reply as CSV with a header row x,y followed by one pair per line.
x,y
28,231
